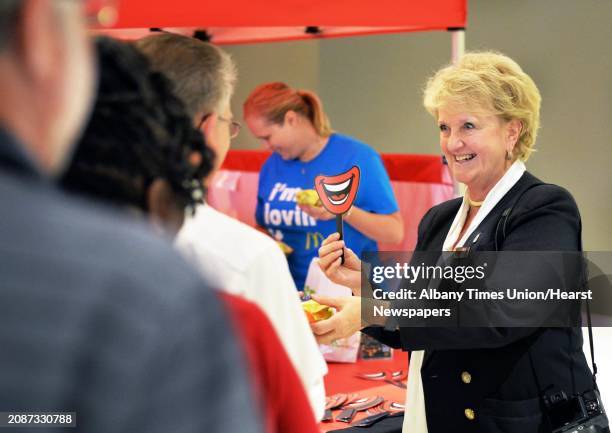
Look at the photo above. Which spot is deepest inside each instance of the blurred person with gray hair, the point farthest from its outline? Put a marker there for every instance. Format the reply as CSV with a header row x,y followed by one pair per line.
x,y
97,318
236,257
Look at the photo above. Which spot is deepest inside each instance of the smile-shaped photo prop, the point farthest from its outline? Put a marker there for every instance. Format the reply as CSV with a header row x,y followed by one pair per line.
x,y
337,194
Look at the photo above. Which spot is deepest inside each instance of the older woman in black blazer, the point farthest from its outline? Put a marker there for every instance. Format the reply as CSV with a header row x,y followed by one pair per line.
x,y
480,379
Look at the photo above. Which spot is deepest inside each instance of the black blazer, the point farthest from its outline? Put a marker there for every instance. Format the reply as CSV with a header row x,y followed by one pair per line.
x,y
491,379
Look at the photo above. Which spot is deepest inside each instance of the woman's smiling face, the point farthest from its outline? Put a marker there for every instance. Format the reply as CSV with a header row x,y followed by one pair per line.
x,y
475,146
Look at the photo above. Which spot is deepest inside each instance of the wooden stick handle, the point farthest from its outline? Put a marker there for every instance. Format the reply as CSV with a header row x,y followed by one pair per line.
x,y
340,229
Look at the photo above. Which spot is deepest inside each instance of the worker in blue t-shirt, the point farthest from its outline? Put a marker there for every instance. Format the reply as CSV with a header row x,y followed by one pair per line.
x,y
292,124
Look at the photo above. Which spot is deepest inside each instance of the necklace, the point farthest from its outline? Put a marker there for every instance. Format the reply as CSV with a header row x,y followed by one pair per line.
x,y
472,202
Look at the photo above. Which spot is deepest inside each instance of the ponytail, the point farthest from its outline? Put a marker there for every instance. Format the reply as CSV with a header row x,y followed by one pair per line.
x,y
273,100
317,116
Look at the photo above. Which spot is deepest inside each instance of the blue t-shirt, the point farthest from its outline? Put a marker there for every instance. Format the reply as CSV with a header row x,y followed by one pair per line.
x,y
278,212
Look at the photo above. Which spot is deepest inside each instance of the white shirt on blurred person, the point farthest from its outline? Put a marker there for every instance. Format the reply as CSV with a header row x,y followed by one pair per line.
x,y
239,259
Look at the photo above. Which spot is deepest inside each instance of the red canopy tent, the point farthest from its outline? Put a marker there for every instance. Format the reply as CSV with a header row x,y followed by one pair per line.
x,y
243,21
419,181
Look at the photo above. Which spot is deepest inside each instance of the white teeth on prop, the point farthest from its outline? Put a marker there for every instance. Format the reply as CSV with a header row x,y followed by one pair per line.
x,y
465,157
337,202
338,186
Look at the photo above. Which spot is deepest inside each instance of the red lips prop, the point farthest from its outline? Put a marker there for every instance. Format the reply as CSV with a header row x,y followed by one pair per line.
x,y
337,193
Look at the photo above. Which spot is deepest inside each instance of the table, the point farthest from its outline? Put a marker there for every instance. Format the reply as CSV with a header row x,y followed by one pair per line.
x,y
342,379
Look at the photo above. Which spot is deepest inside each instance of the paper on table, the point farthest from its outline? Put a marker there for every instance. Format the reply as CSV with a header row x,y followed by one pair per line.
x,y
344,349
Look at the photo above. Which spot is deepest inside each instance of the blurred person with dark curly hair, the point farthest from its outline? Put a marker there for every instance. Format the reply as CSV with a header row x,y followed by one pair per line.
x,y
140,148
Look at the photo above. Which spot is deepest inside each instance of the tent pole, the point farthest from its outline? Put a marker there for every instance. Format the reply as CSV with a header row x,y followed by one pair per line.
x,y
458,44
457,50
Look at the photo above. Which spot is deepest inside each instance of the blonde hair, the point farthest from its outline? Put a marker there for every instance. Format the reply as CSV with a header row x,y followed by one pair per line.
x,y
273,100
489,82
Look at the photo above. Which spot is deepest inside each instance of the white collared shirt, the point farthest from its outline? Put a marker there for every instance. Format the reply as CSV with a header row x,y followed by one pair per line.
x,y
240,260
508,180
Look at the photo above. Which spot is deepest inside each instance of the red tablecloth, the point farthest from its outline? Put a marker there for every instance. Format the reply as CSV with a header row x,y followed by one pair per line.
x,y
342,379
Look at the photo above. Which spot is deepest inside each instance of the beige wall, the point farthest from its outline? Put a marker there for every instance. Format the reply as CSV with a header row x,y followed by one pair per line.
x,y
371,88
297,63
